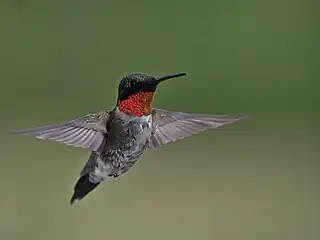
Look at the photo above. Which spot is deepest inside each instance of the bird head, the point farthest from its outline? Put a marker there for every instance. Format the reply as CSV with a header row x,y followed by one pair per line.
x,y
136,91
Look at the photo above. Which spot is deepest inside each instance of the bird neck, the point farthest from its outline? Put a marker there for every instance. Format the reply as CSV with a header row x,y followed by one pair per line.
x,y
139,104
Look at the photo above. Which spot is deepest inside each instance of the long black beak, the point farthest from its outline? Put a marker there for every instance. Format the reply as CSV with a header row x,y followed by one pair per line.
x,y
161,79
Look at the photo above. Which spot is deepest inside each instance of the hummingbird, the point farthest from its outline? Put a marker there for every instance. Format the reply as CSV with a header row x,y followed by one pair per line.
x,y
117,138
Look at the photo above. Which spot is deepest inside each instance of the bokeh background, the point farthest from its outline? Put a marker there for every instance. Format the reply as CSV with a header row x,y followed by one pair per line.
x,y
255,179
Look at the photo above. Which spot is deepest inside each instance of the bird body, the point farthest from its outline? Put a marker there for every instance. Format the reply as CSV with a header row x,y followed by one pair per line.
x,y
127,139
118,138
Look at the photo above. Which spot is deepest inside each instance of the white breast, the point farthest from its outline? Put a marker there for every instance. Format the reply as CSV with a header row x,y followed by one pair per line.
x,y
138,127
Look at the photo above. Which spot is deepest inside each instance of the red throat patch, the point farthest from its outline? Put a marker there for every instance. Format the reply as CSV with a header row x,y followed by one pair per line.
x,y
138,104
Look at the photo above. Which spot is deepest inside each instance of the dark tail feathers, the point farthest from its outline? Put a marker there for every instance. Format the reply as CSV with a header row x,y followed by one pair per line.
x,y
82,188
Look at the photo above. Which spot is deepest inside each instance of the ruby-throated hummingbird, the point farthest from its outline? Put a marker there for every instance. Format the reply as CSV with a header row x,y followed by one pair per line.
x,y
117,138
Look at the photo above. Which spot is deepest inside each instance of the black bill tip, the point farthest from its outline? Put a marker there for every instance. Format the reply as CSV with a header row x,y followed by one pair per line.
x,y
160,79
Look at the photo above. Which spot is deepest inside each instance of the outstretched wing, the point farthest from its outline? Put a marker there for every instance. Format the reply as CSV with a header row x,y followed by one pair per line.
x,y
171,126
85,132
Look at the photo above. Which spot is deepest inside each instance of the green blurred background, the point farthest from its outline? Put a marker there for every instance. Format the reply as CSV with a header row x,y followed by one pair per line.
x,y
255,179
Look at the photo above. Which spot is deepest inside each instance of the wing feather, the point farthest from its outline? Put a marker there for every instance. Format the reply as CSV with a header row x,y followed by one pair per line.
x,y
171,126
85,132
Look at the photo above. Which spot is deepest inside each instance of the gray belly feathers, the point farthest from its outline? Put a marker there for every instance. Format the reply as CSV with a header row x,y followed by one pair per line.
x,y
127,139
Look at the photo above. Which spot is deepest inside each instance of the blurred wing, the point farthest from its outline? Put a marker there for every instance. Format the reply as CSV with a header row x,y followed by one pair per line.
x,y
171,126
85,132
